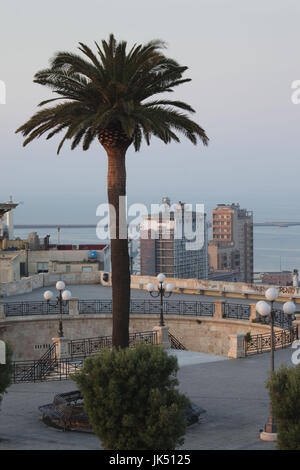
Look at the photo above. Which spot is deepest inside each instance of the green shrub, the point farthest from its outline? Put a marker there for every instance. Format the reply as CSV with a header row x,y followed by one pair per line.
x,y
5,372
131,399
248,337
284,387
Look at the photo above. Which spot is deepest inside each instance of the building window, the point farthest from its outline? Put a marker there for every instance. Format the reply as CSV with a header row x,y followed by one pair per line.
x,y
68,268
86,269
42,267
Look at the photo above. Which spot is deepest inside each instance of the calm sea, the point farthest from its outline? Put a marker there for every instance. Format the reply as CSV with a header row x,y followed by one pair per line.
x,y
275,248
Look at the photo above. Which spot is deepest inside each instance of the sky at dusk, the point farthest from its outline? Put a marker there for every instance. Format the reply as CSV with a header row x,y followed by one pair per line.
x,y
242,57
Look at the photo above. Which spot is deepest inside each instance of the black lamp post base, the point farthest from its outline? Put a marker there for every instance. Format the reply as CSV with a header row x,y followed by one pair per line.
x,y
271,427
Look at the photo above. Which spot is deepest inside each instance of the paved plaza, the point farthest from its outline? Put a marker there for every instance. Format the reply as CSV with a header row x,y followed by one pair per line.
x,y
231,391
96,291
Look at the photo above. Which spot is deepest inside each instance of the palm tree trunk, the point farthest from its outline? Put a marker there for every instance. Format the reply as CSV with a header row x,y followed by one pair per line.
x,y
116,187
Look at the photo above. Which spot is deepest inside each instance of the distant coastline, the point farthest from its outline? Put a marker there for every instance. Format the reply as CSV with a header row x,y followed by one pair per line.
x,y
256,224
275,248
24,226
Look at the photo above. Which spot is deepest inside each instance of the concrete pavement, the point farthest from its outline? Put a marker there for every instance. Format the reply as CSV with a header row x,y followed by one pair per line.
x,y
96,291
231,391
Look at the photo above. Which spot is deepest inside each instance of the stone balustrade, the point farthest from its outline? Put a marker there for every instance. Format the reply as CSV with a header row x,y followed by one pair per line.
x,y
29,334
186,286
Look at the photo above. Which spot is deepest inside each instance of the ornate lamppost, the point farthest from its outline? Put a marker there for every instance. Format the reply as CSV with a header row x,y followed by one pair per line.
x,y
163,290
267,309
62,299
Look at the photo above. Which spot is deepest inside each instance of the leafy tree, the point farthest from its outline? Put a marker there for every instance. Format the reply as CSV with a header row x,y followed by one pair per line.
x,y
284,388
111,96
5,372
131,399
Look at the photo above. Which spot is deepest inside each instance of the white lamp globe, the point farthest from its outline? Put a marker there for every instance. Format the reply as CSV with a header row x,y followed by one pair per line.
x,y
60,285
48,295
263,308
271,294
161,277
289,308
66,295
170,287
164,285
258,304
150,287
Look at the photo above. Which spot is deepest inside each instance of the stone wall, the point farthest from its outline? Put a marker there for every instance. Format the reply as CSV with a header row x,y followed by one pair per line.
x,y
186,286
58,259
50,279
28,334
221,288
9,267
22,286
47,279
201,334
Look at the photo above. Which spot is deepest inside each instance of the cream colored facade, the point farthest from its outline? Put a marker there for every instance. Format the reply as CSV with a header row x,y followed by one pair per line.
x,y
17,264
9,267
61,261
29,334
231,246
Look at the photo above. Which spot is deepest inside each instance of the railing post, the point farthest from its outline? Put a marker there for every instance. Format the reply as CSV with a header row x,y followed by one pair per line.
x,y
253,313
61,347
296,324
74,306
218,308
2,314
236,346
162,335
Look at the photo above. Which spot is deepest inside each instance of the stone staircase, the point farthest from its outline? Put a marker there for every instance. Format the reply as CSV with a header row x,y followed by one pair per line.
x,y
50,368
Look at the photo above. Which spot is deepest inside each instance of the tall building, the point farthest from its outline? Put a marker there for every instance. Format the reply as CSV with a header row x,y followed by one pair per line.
x,y
7,229
166,245
231,247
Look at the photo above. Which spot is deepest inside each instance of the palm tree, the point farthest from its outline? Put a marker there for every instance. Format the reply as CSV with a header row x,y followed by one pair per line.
x,y
107,96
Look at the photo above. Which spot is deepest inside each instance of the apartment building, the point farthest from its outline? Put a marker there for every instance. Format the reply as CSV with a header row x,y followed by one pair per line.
x,y
231,247
166,245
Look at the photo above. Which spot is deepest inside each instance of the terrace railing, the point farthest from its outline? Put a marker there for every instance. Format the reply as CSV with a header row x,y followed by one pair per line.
x,y
34,371
236,311
172,307
280,320
143,306
262,342
175,343
12,309
49,367
88,346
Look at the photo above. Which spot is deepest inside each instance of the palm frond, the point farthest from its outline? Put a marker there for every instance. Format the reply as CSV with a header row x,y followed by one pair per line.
x,y
113,88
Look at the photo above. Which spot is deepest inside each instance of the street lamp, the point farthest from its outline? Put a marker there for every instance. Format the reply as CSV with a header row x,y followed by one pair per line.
x,y
163,290
267,309
62,299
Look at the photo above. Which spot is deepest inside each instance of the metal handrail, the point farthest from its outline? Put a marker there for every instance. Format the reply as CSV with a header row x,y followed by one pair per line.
x,y
172,307
12,309
36,370
175,343
262,342
280,320
87,346
237,311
